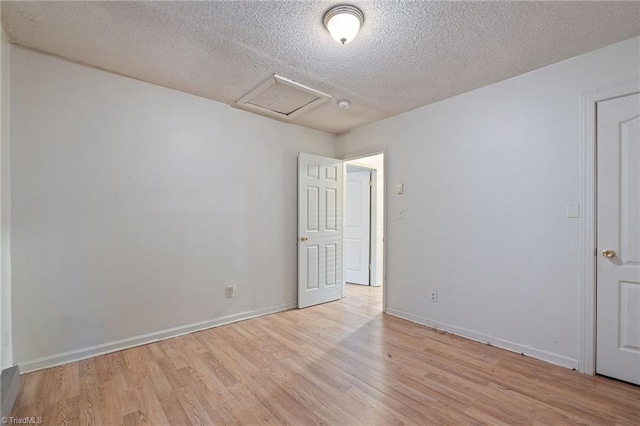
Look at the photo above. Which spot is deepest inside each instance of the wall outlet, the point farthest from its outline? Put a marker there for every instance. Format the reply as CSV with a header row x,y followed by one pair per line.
x,y
434,296
230,291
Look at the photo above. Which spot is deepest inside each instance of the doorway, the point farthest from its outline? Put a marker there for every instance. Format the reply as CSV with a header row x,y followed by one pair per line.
x,y
321,238
358,220
364,222
610,163
618,238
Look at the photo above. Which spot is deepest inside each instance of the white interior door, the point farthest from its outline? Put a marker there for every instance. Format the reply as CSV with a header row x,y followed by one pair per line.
x,y
357,227
320,216
618,236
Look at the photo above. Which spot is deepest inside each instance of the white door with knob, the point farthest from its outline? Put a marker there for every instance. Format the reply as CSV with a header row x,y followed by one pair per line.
x,y
357,226
320,217
618,238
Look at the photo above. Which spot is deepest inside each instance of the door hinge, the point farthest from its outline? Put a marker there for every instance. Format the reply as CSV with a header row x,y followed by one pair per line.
x,y
369,266
370,182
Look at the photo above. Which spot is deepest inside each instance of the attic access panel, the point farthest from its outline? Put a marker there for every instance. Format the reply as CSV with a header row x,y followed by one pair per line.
x,y
281,97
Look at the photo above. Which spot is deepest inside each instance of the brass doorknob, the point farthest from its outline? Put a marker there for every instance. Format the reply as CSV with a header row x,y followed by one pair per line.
x,y
608,253
303,238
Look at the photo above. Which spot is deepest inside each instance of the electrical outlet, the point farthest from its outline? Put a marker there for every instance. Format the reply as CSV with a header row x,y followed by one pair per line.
x,y
434,296
230,291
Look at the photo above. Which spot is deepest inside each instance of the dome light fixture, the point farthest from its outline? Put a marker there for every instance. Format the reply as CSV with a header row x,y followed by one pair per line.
x,y
343,22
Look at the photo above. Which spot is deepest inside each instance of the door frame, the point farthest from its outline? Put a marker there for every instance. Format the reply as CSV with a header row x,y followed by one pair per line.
x,y
373,218
374,204
588,199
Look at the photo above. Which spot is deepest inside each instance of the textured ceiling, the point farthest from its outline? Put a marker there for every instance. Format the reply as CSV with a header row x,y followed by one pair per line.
x,y
408,54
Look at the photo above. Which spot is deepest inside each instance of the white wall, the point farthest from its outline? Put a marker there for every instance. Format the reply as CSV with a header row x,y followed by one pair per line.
x,y
377,162
133,207
488,176
6,358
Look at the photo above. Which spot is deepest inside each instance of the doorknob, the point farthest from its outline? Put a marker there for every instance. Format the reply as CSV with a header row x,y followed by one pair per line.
x,y
303,238
608,253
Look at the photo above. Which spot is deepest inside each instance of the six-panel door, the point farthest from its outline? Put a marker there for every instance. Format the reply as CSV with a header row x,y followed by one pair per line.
x,y
320,220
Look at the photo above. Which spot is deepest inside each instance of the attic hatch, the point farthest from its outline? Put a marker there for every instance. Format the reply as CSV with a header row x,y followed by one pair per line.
x,y
281,97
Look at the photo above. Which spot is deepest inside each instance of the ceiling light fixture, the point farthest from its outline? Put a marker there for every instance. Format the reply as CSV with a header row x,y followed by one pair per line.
x,y
343,22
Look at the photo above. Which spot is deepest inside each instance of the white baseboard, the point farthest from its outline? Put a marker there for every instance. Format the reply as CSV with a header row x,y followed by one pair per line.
x,y
105,348
550,357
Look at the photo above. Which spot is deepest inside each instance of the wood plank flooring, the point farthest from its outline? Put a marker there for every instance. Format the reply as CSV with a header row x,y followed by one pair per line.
x,y
342,363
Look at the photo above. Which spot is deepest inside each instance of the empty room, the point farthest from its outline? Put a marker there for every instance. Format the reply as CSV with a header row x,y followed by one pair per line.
x,y
320,212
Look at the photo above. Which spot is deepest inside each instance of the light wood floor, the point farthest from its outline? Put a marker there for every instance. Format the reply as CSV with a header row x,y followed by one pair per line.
x,y
342,363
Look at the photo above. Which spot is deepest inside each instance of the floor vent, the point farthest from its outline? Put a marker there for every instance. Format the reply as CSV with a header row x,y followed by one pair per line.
x,y
283,98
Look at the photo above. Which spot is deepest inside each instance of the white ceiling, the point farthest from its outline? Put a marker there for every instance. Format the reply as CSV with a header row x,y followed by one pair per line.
x,y
408,54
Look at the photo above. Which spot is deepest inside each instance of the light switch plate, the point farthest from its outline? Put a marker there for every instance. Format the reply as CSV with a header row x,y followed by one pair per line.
x,y
230,291
573,210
